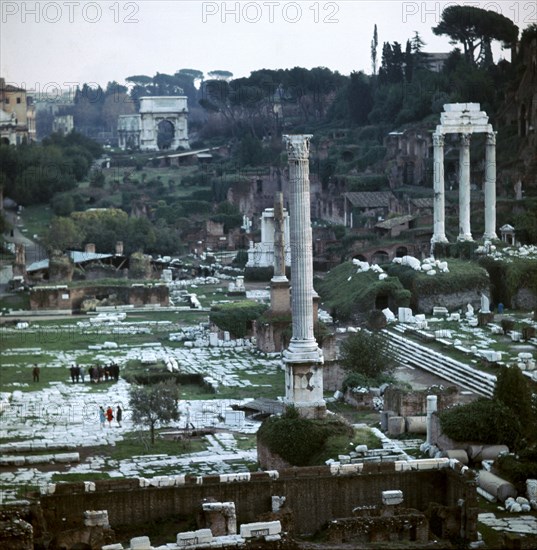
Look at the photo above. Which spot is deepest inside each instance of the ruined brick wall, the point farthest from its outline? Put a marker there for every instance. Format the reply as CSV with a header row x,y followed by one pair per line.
x,y
453,301
414,403
72,298
314,496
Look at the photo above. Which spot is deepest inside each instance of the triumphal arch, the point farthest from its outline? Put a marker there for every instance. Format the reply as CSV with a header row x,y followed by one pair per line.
x,y
161,124
464,119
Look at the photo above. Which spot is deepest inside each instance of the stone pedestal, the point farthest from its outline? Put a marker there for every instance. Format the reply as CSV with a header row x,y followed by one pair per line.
x,y
303,359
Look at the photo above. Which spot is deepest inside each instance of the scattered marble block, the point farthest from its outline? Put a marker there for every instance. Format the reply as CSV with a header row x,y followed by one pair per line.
x,y
140,543
392,498
439,310
260,529
93,518
396,425
192,538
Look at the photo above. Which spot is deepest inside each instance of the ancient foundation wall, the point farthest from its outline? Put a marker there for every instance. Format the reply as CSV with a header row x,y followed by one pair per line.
x,y
61,297
314,496
424,303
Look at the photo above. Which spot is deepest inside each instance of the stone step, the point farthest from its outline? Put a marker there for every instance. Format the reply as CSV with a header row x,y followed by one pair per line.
x,y
415,354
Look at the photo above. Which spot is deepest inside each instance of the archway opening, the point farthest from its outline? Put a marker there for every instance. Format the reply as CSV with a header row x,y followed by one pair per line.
x,y
165,135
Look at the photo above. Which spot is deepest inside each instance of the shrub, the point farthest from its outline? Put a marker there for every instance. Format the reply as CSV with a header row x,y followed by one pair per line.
x,y
484,420
236,318
298,439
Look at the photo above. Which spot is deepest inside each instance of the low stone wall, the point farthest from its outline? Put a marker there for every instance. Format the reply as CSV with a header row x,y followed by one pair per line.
x,y
424,303
413,403
314,495
62,297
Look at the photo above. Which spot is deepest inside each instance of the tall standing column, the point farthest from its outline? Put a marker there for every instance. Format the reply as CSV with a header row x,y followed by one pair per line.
x,y
439,230
303,359
490,187
465,233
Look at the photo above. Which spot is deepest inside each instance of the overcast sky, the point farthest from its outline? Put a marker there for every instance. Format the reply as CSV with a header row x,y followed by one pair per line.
x,y
78,41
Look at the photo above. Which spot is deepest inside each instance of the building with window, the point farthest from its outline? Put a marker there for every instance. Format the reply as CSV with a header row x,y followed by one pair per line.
x,y
19,124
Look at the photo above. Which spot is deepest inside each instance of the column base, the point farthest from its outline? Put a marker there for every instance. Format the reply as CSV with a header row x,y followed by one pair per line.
x,y
307,409
490,236
439,239
303,352
465,238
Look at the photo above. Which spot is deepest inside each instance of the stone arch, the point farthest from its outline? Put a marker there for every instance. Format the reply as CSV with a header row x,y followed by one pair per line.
x,y
401,251
380,257
360,257
165,134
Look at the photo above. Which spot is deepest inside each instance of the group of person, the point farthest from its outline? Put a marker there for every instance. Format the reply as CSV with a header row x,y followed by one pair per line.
x,y
108,415
96,373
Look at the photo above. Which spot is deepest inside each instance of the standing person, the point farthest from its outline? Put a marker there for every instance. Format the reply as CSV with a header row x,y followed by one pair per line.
x,y
109,416
119,415
35,373
73,372
77,373
102,418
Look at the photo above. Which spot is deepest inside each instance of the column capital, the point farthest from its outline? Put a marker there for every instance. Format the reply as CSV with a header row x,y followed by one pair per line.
x,y
298,146
491,138
465,139
438,140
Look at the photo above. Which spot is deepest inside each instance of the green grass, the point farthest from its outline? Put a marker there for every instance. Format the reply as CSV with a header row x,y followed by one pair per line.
x,y
73,477
246,442
342,444
352,415
139,444
36,220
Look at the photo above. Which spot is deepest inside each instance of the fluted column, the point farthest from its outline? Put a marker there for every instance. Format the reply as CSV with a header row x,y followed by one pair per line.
x,y
439,229
303,358
279,284
490,187
465,232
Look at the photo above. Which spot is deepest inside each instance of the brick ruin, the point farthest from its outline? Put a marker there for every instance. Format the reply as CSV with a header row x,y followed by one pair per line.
x,y
435,499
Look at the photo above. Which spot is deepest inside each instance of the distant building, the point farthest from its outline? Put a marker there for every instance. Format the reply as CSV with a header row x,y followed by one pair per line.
x,y
19,124
366,208
435,61
63,124
160,125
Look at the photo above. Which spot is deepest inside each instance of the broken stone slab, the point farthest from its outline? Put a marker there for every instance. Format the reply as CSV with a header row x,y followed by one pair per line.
x,y
260,529
392,498
192,538
141,543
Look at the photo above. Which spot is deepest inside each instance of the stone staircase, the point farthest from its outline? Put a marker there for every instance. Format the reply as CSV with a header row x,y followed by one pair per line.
x,y
409,352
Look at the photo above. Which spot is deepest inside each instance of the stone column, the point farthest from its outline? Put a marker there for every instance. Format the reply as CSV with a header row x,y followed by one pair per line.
x,y
439,230
279,284
303,359
465,233
490,187
432,406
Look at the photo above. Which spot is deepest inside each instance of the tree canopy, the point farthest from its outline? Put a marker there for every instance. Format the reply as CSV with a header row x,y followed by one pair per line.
x,y
153,405
476,28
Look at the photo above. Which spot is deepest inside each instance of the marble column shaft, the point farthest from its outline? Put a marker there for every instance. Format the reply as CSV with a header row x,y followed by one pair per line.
x,y
439,230
465,232
301,244
303,359
490,187
279,239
